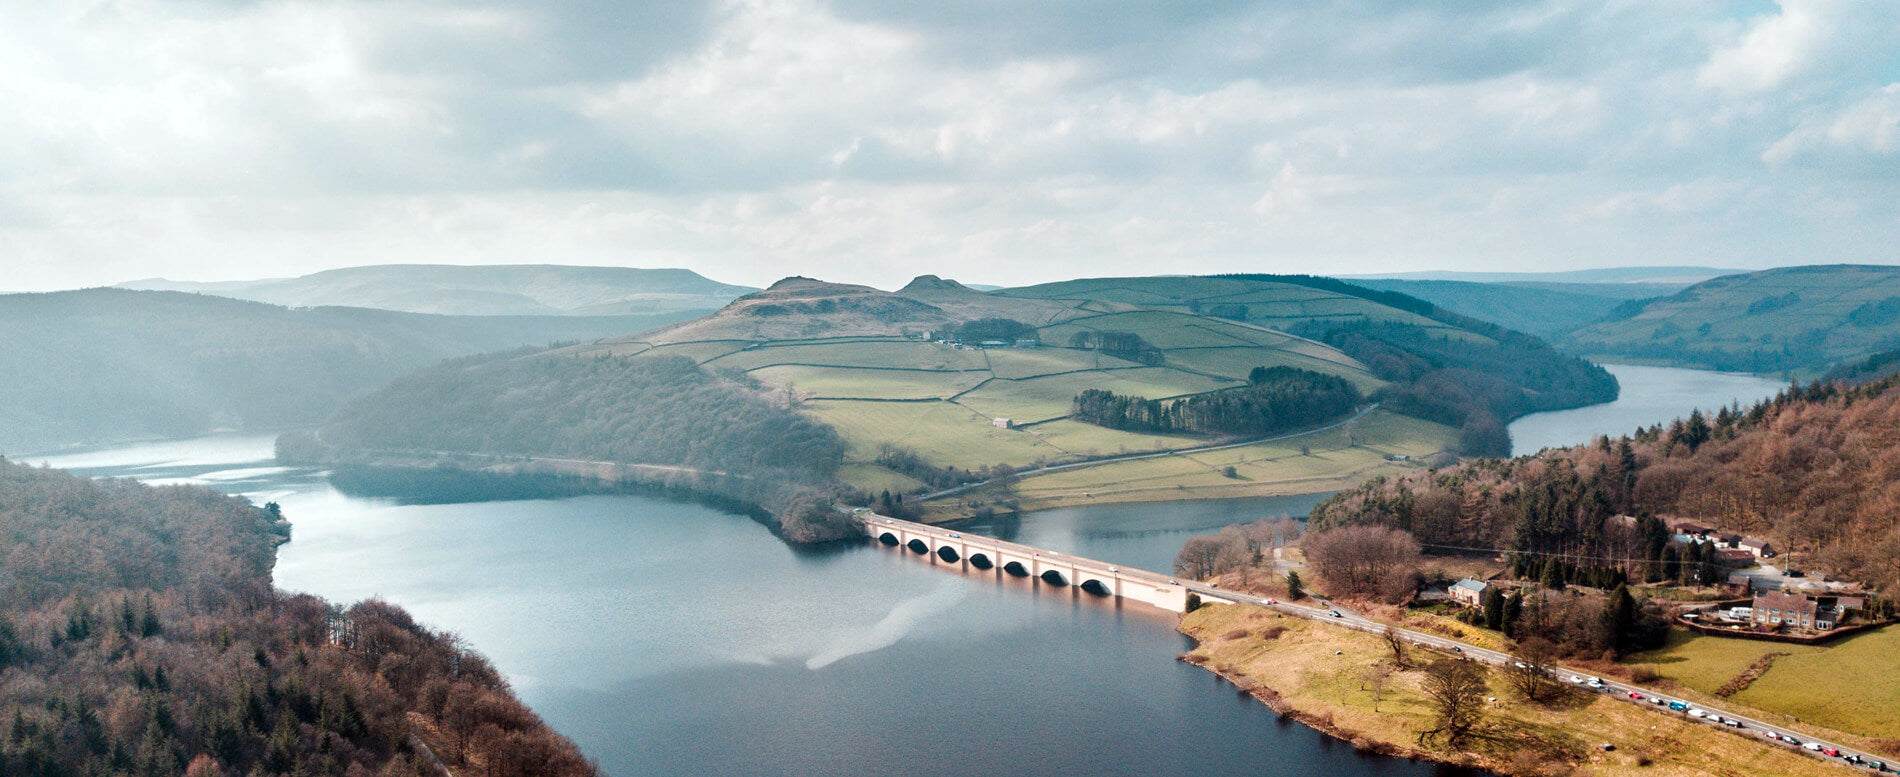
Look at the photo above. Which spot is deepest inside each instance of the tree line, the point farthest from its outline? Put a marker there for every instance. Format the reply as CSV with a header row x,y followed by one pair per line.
x,y
140,634
1277,399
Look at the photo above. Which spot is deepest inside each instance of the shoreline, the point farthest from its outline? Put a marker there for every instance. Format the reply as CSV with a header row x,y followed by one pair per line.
x,y
1322,678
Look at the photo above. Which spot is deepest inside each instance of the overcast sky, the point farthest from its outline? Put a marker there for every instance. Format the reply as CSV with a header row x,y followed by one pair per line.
x,y
995,141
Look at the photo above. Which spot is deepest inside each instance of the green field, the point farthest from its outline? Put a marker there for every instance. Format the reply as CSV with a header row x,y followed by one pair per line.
x,y
1852,685
1318,461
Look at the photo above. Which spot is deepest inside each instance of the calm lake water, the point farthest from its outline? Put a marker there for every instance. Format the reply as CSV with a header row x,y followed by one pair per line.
x,y
675,639
1650,395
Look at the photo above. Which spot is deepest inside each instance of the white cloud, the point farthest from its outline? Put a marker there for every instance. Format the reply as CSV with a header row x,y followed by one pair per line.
x,y
1773,49
1864,135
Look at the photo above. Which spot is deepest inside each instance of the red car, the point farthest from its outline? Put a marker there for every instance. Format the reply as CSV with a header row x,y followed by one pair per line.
x,y
1830,751
1635,695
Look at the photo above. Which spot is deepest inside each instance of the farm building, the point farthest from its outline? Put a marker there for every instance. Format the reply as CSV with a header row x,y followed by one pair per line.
x,y
1793,610
1468,591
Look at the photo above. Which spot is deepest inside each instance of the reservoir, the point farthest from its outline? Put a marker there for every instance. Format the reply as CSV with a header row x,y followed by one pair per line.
x,y
669,638
1650,395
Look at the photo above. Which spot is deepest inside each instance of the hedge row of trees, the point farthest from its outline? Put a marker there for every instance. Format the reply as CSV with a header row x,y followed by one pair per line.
x,y
1278,399
140,635
1121,345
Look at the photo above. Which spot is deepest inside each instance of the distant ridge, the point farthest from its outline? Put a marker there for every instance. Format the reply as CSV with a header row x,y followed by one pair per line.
x,y
1680,276
479,290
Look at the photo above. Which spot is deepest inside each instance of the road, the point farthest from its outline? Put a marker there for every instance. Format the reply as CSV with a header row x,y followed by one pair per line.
x,y
1139,456
1348,619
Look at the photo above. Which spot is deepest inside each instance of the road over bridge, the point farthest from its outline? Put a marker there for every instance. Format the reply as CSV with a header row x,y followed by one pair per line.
x,y
1104,579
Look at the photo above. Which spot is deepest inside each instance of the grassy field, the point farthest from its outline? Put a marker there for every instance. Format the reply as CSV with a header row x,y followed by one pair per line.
x,y
1049,397
1321,673
860,383
949,434
1852,685
1329,462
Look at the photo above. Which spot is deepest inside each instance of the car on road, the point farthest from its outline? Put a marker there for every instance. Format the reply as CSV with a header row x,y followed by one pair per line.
x,y
1812,746
1113,569
1271,600
1791,741
1334,613
1636,696
1576,679
1172,581
1520,665
1678,706
1658,700
955,536
1698,714
1456,649
1830,752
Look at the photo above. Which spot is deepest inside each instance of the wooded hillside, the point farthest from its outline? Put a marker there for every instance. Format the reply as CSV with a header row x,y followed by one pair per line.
x,y
726,434
1812,470
140,635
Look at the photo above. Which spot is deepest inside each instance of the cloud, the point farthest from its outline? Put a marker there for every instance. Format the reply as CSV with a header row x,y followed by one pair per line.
x,y
997,141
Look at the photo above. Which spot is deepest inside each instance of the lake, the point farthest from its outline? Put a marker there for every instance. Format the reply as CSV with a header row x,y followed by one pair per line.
x,y
1650,395
669,638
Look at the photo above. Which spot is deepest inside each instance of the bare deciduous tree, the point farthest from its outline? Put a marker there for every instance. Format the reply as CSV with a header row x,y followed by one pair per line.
x,y
1395,642
1456,689
1361,560
1534,679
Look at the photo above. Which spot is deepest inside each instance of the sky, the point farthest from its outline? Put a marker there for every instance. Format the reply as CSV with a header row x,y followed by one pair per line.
x,y
993,141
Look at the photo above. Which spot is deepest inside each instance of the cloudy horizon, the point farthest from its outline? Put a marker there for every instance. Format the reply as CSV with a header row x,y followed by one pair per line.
x,y
1005,143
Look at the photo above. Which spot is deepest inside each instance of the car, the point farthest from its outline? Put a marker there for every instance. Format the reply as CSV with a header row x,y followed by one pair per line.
x,y
1697,714
1812,746
1658,700
1576,679
1771,735
1520,665
1678,706
1172,581
1334,613
1878,766
1732,723
1830,752
1456,649
1271,600
1636,696
1113,569
1791,741
956,536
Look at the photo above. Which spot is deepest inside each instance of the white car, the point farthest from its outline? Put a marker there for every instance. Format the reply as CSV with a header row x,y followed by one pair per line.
x,y
1815,746
1576,679
1696,713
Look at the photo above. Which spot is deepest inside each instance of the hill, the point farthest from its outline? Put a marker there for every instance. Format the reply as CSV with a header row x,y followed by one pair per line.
x,y
938,384
481,290
140,634
1794,320
1438,365
110,364
1608,276
1531,308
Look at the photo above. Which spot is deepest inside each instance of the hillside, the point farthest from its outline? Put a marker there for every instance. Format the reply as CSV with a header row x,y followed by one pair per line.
x,y
140,634
482,290
1812,471
1794,320
111,364
1437,365
1534,309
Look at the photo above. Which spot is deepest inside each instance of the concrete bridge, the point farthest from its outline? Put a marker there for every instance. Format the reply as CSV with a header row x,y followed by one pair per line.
x,y
987,553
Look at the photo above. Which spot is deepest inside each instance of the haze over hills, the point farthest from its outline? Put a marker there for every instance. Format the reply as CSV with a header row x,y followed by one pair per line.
x,y
1796,320
480,290
1537,309
111,364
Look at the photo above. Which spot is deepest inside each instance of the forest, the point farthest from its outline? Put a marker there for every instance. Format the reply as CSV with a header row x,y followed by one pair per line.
x,y
1811,470
140,635
733,436
1476,385
1276,399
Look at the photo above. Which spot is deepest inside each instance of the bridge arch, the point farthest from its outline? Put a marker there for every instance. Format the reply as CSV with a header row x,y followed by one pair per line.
x,y
917,546
948,553
1054,577
1016,568
1097,587
980,561
887,538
